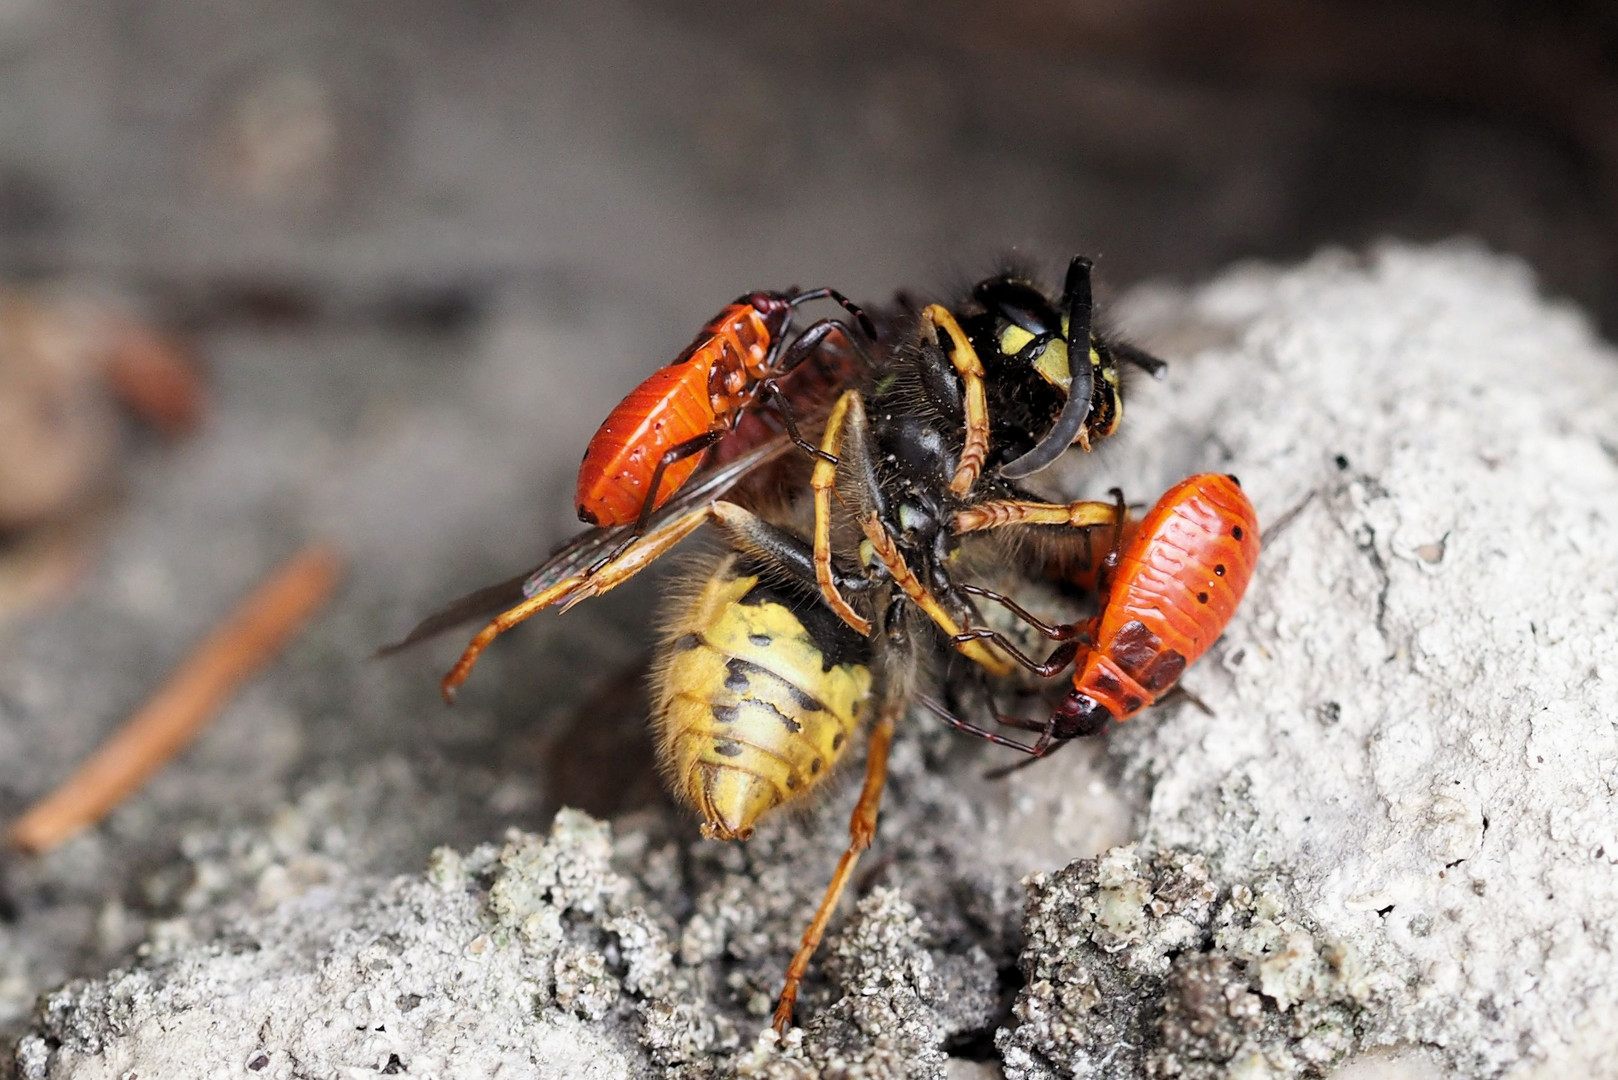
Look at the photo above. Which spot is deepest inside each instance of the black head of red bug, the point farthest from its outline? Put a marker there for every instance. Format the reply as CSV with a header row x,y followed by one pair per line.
x,y
777,307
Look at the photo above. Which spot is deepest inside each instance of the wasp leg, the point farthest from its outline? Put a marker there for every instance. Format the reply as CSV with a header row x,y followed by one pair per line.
x,y
777,546
1109,563
975,448
861,830
888,552
623,564
822,483
1003,513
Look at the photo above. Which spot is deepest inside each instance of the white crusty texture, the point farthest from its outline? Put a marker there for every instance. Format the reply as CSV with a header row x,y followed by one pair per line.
x,y
1413,714
488,965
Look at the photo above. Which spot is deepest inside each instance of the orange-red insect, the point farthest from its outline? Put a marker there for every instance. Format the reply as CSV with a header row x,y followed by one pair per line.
x,y
1168,587
1171,592
657,436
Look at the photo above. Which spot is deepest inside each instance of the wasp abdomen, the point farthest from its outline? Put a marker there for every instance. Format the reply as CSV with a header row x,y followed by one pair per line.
x,y
750,713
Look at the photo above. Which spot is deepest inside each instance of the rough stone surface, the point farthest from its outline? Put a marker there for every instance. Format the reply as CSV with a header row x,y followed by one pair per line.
x,y
1396,829
402,977
1412,717
549,956
1138,965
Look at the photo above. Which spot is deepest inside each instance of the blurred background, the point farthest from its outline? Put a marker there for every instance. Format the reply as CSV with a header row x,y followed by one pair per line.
x,y
374,271
366,160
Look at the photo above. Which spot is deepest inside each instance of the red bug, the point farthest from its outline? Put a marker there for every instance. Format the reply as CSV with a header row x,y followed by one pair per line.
x,y
1169,586
657,436
640,437
1169,596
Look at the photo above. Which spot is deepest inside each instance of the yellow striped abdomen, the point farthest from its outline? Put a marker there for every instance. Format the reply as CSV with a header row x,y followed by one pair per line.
x,y
752,707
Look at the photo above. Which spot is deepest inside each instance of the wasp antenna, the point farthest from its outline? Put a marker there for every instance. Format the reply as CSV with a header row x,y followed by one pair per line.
x,y
1077,301
1062,433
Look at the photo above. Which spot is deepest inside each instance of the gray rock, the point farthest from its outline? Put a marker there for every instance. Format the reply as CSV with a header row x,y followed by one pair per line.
x,y
1412,715
447,973
1138,965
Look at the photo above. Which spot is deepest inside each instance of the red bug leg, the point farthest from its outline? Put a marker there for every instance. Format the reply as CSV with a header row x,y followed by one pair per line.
x,y
1053,631
823,293
675,454
770,391
1052,665
1048,738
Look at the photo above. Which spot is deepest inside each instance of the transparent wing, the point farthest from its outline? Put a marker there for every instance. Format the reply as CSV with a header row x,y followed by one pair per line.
x,y
573,558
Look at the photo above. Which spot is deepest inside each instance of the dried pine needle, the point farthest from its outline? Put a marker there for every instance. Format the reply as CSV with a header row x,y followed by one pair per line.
x,y
244,643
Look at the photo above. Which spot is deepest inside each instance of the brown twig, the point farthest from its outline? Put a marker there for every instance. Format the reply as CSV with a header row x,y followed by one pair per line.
x,y
248,640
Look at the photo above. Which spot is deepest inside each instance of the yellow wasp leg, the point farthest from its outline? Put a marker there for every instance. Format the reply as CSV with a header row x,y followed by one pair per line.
x,y
861,830
882,544
1000,513
823,482
576,587
975,449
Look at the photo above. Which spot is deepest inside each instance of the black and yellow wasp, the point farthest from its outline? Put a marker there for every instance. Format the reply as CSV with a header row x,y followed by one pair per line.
x,y
826,612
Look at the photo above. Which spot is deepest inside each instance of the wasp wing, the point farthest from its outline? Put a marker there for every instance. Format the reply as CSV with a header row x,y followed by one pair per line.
x,y
575,557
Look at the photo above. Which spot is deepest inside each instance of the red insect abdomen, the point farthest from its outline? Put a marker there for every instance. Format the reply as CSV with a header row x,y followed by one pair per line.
x,y
674,405
1175,588
670,407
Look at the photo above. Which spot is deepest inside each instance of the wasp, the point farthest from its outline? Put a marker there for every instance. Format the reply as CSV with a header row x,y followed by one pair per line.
x,y
917,460
910,477
759,691
1168,588
760,688
914,486
793,645
941,388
